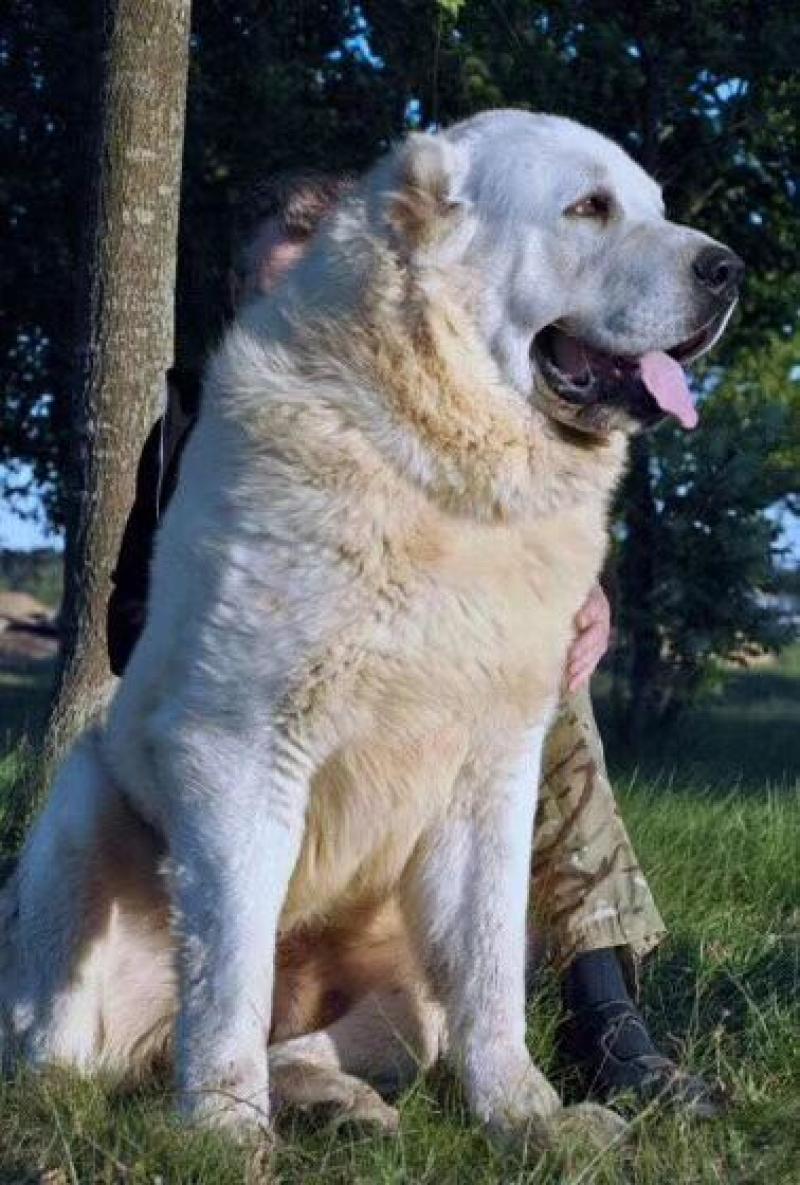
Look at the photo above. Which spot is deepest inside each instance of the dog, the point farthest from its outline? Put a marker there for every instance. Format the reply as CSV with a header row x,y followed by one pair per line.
x,y
327,742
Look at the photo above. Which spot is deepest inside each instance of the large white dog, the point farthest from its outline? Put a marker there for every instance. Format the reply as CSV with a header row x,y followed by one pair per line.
x,y
363,592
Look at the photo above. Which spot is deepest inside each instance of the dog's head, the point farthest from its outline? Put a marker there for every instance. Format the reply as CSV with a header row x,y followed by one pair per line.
x,y
589,299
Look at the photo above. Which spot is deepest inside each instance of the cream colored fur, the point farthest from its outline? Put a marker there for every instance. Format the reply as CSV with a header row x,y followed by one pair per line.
x,y
361,601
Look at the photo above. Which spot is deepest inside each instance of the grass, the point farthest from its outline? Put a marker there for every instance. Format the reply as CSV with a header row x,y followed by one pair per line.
x,y
23,691
716,820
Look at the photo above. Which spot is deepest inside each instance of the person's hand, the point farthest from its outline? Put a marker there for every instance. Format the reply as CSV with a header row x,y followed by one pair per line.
x,y
593,631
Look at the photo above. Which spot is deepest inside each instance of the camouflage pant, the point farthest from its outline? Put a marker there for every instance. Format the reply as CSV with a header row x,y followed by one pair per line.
x,y
587,886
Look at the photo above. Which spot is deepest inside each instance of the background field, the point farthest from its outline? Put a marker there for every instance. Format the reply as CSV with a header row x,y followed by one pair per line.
x,y
716,818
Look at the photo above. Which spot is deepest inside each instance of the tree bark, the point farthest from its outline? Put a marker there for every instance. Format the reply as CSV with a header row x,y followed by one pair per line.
x,y
126,315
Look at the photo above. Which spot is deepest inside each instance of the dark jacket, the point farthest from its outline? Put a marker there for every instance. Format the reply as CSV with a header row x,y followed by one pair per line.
x,y
156,479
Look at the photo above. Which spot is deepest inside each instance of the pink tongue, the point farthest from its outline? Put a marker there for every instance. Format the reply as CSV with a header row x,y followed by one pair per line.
x,y
666,382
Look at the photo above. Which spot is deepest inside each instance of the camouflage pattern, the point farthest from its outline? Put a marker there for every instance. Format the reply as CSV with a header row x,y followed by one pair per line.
x,y
587,886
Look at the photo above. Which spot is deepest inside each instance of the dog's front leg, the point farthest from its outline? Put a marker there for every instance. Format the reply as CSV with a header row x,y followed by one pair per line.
x,y
468,895
234,836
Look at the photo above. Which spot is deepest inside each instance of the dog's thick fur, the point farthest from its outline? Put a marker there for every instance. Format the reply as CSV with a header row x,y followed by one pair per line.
x,y
328,738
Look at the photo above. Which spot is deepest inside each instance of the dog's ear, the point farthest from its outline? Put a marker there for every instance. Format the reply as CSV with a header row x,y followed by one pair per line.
x,y
421,203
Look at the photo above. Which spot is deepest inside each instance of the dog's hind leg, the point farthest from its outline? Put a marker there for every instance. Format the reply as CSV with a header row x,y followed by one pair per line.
x,y
83,908
386,1038
384,1041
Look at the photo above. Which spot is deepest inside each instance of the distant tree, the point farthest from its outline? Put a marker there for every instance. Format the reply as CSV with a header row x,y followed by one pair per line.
x,y
38,572
712,545
272,87
126,342
46,52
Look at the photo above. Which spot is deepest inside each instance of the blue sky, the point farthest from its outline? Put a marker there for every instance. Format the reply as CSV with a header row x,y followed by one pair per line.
x,y
19,534
23,533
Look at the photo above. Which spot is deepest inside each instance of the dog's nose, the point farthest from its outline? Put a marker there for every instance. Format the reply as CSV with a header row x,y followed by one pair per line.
x,y
719,270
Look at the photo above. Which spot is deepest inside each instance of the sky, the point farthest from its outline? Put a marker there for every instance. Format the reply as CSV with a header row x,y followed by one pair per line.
x,y
19,533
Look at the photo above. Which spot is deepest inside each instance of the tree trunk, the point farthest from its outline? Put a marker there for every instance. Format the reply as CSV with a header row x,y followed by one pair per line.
x,y
125,337
638,581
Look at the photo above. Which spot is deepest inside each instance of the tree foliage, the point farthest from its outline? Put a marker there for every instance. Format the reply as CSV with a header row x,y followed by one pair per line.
x,y
45,52
715,548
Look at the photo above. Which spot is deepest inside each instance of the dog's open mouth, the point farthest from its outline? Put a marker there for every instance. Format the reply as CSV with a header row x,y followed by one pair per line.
x,y
581,373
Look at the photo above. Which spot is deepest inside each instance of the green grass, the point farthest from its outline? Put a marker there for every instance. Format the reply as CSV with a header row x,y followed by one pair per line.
x,y
716,820
23,696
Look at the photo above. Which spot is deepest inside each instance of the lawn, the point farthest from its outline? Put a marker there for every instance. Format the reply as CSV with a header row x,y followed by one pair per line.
x,y
716,817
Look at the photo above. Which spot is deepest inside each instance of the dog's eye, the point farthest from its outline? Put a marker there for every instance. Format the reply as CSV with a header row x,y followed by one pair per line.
x,y
594,205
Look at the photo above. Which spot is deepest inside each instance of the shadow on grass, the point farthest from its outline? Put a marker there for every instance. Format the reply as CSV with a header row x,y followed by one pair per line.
x,y
683,994
745,738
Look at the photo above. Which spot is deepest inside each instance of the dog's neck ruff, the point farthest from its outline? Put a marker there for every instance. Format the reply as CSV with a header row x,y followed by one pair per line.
x,y
476,446
406,369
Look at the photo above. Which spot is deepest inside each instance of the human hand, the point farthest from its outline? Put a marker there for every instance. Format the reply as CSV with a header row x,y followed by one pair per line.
x,y
593,631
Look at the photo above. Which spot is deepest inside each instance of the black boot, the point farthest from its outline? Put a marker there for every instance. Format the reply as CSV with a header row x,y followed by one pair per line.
x,y
607,1038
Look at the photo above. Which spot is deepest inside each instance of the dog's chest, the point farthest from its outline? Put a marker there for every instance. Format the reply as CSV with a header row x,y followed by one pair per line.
x,y
449,676
468,625
487,622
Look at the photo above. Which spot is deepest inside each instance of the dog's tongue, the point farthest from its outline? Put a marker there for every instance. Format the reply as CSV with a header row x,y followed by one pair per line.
x,y
666,382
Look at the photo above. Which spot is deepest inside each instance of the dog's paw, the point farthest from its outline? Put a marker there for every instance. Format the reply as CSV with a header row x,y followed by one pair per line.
x,y
367,1109
335,1097
509,1094
243,1115
594,1127
585,1129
